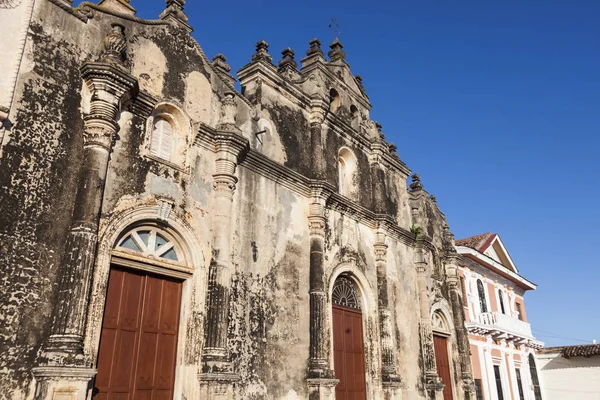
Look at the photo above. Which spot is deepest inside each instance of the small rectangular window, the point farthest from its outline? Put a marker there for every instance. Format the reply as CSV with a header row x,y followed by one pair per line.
x,y
518,307
498,382
519,384
478,390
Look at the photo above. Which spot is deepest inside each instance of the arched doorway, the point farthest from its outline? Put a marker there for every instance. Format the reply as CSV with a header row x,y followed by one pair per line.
x,y
441,332
348,345
140,327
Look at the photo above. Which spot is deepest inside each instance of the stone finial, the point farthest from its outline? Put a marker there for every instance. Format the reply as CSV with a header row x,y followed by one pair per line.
x,y
262,52
336,52
380,130
174,11
359,82
315,48
416,185
219,63
448,239
120,6
115,45
287,61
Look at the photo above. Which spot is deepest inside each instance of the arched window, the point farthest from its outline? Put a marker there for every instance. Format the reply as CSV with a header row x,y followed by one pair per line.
x,y
481,292
534,378
347,173
334,100
501,297
345,294
162,138
149,242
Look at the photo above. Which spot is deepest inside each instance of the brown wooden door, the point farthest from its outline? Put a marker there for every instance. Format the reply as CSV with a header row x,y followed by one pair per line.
x,y
348,354
138,344
440,345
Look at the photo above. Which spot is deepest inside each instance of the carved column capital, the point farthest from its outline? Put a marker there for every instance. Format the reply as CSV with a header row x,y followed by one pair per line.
x,y
316,226
110,87
380,252
318,110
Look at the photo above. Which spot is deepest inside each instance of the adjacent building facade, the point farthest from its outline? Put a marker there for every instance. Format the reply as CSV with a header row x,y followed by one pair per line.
x,y
570,372
502,344
164,236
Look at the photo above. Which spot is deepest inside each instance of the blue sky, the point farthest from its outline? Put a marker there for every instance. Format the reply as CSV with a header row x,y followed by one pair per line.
x,y
496,103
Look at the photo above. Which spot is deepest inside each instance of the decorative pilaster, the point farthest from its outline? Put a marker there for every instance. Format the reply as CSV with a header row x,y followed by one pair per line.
x,y
378,184
318,109
451,259
217,376
433,382
319,337
389,376
321,378
110,85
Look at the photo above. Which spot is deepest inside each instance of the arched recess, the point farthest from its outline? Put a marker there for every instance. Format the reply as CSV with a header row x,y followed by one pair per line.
x,y
347,173
167,133
349,276
187,268
442,328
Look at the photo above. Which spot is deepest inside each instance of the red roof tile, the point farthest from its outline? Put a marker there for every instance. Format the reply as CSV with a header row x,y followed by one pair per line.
x,y
584,350
477,242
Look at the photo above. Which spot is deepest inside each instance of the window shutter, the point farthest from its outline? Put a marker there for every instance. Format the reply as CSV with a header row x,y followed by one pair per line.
x,y
167,141
162,139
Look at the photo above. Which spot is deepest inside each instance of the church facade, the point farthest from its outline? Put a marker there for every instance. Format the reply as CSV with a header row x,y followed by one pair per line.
x,y
165,236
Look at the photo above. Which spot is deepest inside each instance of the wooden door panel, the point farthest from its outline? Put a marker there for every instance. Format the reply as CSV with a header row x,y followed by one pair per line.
x,y
147,360
172,296
443,365
124,359
138,345
349,358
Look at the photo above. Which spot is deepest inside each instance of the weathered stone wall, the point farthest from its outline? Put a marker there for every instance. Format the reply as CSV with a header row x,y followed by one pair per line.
x,y
38,167
269,310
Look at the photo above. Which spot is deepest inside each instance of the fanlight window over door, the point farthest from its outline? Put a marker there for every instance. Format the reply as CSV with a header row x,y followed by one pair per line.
x,y
345,294
150,242
439,322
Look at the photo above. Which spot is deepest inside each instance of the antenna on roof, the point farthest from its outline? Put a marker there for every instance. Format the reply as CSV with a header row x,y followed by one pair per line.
x,y
335,27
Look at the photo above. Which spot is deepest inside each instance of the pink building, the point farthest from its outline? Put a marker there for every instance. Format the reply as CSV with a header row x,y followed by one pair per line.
x,y
502,344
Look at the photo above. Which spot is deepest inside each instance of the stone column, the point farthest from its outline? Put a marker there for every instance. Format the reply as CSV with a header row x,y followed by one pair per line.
x,y
64,367
317,117
389,376
451,259
378,184
321,378
217,376
433,382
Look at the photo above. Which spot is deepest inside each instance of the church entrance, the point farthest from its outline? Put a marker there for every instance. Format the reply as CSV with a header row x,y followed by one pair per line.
x,y
440,345
348,346
138,343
